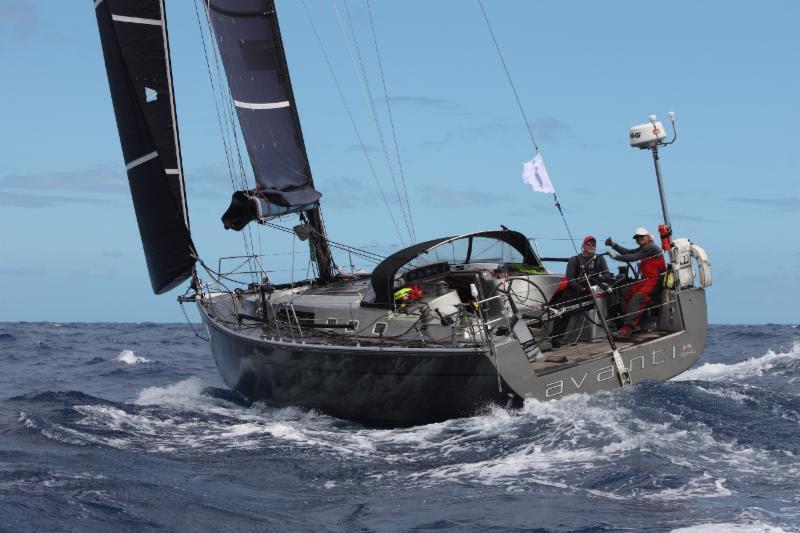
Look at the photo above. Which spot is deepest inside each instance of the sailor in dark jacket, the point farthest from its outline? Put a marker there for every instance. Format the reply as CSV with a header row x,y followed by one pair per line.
x,y
586,264
651,267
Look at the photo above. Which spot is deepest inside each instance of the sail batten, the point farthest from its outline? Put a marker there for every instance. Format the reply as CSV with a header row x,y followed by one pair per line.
x,y
136,52
137,20
266,105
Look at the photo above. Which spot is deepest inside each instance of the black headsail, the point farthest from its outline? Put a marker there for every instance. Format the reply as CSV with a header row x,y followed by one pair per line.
x,y
252,52
136,50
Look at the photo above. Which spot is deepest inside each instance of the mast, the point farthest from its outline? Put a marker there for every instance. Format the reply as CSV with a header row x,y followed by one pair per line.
x,y
319,240
252,52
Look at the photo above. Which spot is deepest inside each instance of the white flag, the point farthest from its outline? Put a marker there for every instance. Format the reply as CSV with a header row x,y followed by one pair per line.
x,y
534,173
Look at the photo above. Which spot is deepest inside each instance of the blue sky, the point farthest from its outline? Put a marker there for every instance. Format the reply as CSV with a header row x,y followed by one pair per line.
x,y
585,71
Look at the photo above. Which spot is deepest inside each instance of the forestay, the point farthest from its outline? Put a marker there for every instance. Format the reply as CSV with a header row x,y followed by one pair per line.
x,y
136,52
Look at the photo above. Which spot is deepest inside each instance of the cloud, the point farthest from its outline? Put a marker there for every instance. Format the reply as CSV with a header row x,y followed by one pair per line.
x,y
100,178
349,193
211,181
18,18
437,196
783,204
104,180
113,254
550,128
544,128
463,134
370,148
692,218
21,271
94,272
526,213
203,181
11,199
436,104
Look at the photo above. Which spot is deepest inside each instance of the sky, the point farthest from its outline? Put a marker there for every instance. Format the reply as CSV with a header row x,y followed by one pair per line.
x,y
585,72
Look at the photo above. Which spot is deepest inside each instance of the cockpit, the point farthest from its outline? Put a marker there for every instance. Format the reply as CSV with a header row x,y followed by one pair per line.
x,y
452,271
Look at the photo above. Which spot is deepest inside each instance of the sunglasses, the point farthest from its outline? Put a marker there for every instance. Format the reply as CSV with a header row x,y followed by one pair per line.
x,y
590,243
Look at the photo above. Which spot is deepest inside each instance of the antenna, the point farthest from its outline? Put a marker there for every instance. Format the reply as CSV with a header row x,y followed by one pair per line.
x,y
650,137
674,131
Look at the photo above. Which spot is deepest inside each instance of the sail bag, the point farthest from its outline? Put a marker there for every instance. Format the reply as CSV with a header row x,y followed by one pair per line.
x,y
133,34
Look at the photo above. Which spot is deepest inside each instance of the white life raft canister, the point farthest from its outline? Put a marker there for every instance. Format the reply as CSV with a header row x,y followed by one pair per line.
x,y
681,254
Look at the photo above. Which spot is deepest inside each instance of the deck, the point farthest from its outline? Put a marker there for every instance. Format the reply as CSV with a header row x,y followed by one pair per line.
x,y
582,352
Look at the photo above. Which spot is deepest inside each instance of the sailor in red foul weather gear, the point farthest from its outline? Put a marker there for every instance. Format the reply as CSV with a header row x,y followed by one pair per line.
x,y
651,266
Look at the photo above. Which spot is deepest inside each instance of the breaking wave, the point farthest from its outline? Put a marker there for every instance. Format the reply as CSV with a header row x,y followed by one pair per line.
x,y
130,358
594,445
729,527
717,449
752,367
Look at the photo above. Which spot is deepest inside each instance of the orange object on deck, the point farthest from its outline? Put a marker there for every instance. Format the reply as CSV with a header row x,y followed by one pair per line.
x,y
665,232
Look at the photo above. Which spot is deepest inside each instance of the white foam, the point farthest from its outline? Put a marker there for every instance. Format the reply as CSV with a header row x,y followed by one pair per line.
x,y
730,527
550,443
729,394
562,440
130,358
186,393
697,487
752,367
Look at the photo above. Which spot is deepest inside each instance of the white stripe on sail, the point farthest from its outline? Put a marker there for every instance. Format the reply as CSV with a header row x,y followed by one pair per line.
x,y
144,159
269,105
173,171
136,20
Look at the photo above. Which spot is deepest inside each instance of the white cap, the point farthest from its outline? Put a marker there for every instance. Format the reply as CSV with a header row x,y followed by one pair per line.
x,y
640,232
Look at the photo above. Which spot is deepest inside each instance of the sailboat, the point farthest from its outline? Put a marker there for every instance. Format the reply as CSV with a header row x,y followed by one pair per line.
x,y
437,330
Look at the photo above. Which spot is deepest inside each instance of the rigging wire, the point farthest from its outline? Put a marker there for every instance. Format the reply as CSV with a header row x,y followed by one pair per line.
x,y
370,103
233,121
224,129
365,254
391,120
522,112
609,336
508,75
352,121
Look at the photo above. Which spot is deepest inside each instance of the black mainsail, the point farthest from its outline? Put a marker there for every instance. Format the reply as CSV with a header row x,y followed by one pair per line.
x,y
250,46
136,51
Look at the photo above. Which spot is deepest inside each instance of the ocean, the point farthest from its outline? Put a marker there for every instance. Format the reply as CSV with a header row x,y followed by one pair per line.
x,y
128,427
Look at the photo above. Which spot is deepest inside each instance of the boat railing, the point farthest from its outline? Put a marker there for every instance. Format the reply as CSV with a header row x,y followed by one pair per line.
x,y
246,269
485,323
478,329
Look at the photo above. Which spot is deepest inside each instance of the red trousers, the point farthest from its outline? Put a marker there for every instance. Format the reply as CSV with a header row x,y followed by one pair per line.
x,y
636,301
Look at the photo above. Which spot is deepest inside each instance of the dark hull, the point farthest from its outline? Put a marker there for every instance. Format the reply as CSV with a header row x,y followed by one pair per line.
x,y
396,387
387,388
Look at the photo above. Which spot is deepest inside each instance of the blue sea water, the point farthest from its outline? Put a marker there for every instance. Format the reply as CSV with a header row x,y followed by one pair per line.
x,y
128,427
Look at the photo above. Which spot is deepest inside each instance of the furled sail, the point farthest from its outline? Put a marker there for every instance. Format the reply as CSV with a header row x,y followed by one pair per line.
x,y
136,50
251,49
